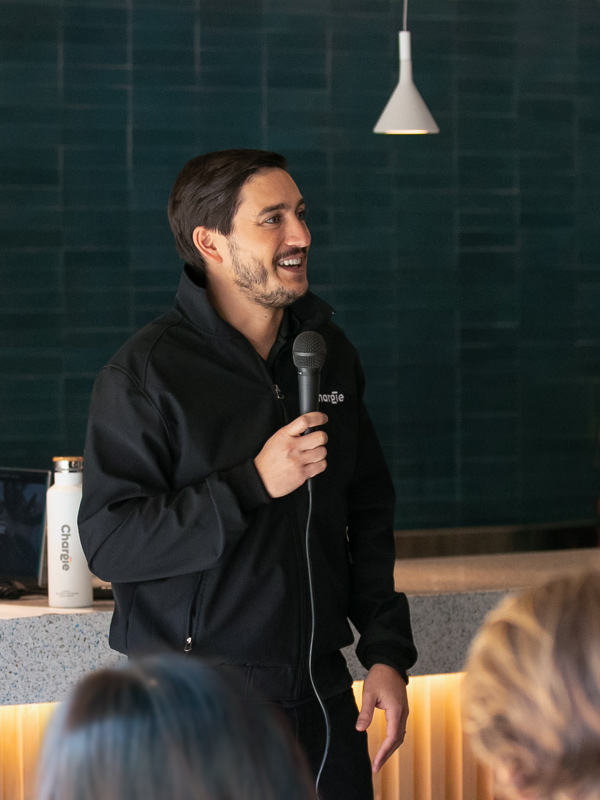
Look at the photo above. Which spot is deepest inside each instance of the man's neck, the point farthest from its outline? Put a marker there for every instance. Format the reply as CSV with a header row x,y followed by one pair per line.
x,y
257,324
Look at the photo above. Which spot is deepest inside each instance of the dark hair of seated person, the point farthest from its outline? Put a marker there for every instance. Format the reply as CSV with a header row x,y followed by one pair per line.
x,y
168,728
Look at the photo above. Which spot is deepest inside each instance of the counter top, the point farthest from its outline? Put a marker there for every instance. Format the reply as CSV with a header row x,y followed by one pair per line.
x,y
43,651
34,605
501,572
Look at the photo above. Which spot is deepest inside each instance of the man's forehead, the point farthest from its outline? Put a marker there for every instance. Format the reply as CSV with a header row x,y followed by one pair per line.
x,y
269,189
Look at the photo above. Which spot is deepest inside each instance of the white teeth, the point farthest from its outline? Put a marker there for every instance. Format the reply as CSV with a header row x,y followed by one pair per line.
x,y
291,262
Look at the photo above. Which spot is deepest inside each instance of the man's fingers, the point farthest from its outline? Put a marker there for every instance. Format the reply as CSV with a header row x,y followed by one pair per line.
x,y
395,730
312,454
288,458
388,747
387,691
312,440
315,469
366,712
311,420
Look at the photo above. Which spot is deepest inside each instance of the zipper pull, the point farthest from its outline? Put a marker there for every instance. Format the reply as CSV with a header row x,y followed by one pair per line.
x,y
278,392
188,645
348,550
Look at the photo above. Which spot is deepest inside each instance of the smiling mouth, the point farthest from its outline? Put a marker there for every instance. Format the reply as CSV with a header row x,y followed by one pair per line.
x,y
290,262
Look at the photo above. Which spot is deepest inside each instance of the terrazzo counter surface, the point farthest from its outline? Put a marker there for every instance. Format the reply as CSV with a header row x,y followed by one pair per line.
x,y
44,651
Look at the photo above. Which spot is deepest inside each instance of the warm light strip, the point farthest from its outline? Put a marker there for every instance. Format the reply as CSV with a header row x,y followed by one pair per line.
x,y
434,763
21,731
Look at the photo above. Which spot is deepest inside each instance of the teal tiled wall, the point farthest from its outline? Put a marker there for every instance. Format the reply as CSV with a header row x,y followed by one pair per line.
x,y
466,266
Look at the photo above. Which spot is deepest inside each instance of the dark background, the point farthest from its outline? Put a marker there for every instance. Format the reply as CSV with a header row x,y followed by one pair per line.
x,y
465,266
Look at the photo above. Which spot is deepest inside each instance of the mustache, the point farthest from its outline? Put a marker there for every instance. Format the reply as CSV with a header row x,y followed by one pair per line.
x,y
296,251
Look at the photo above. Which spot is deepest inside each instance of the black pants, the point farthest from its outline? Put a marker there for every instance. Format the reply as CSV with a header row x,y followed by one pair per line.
x,y
347,772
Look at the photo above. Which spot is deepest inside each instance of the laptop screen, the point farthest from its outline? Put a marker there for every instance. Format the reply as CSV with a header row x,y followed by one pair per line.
x,y
22,521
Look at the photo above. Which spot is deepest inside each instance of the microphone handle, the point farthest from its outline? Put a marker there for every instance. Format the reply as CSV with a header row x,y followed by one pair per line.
x,y
308,389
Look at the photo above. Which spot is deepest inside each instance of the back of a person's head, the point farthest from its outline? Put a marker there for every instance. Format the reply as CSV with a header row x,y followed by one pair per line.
x,y
531,694
168,728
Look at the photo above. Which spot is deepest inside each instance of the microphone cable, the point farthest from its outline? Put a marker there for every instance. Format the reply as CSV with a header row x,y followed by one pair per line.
x,y
312,639
309,353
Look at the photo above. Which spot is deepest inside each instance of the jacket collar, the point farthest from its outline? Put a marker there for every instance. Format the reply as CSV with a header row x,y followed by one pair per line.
x,y
193,302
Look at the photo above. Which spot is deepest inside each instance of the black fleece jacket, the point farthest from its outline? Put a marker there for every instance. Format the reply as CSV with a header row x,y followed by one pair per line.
x,y
175,514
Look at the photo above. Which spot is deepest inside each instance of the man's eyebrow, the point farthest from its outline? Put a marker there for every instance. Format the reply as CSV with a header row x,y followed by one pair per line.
x,y
278,207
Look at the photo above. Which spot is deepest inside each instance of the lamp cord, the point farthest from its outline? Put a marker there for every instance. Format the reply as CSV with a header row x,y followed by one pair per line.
x,y
312,639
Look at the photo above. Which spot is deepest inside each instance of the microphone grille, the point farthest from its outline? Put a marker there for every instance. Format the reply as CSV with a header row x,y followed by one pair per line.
x,y
309,350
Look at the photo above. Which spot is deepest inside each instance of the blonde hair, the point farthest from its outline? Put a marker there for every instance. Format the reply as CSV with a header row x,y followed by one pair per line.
x,y
531,694
168,727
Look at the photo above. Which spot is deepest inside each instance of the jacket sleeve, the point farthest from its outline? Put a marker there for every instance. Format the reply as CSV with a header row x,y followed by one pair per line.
x,y
379,613
133,525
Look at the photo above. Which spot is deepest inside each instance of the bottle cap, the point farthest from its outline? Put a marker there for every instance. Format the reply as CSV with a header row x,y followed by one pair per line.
x,y
68,463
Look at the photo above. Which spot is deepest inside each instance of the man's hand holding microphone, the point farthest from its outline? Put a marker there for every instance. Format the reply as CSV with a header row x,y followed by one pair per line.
x,y
296,452
290,457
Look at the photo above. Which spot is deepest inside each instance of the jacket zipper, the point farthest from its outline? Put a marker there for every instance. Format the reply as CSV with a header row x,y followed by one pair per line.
x,y
294,515
189,643
301,564
191,615
303,593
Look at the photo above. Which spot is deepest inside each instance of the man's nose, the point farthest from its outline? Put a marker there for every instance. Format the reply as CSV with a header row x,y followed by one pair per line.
x,y
297,233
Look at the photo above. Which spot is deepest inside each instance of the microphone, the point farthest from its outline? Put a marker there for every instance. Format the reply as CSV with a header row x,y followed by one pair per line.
x,y
309,353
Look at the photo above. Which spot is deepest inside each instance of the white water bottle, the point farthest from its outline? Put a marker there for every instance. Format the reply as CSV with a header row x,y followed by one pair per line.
x,y
69,579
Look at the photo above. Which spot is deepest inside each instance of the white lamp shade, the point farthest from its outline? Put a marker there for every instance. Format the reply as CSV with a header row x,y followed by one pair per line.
x,y
406,111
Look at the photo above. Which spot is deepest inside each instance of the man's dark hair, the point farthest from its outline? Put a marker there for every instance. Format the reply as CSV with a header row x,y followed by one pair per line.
x,y
207,192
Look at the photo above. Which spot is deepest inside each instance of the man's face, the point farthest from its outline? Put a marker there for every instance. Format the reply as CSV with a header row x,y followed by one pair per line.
x,y
269,242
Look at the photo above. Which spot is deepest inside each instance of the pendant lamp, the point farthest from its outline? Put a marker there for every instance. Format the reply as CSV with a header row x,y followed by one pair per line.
x,y
406,111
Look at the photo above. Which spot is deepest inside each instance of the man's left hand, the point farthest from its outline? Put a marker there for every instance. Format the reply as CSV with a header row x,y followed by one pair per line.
x,y
384,688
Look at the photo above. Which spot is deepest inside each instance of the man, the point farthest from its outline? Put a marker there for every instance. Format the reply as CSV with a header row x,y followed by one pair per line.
x,y
195,500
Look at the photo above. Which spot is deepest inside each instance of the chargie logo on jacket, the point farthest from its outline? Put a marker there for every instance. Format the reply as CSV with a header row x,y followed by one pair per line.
x,y
334,398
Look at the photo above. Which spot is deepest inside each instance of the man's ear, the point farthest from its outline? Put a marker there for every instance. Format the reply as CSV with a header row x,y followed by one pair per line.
x,y
206,241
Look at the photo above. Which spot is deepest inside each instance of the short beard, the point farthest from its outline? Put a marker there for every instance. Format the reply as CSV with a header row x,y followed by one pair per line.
x,y
252,277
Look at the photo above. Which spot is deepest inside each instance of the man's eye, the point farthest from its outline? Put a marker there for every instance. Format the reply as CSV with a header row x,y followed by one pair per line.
x,y
272,220
302,214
